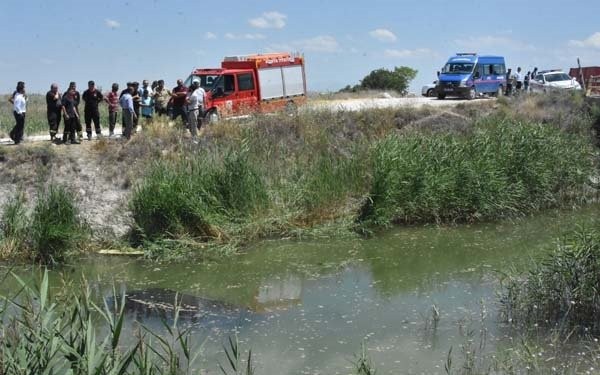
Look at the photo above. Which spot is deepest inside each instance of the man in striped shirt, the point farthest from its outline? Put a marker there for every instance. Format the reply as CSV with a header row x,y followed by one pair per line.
x,y
112,98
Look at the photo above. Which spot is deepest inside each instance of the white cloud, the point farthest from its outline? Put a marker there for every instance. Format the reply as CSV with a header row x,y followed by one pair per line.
x,y
409,53
592,41
477,43
208,35
247,36
383,35
321,43
112,23
269,20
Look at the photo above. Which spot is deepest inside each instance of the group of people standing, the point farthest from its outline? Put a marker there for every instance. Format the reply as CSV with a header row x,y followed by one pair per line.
x,y
134,102
518,81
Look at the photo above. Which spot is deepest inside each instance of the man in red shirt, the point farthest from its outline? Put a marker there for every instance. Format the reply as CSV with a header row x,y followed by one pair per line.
x,y
178,97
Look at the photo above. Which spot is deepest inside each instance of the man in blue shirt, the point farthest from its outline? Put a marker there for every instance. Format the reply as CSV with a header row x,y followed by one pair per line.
x,y
129,115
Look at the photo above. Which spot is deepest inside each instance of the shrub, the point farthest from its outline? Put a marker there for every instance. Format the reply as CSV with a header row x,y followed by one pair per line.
x,y
382,79
55,227
561,290
501,169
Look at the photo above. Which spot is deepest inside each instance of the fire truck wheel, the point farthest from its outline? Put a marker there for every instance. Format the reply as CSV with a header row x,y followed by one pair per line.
x,y
213,116
291,108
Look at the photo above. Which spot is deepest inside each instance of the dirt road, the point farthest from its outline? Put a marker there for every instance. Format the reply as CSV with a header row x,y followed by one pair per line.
x,y
360,104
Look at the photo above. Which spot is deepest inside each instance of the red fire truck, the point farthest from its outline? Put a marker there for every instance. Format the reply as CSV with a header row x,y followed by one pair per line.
x,y
252,83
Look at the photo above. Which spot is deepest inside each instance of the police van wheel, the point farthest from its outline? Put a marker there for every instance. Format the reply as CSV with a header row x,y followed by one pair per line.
x,y
430,93
441,96
500,91
472,93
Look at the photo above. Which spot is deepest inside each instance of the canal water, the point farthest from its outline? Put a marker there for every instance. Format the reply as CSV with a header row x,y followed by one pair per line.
x,y
409,294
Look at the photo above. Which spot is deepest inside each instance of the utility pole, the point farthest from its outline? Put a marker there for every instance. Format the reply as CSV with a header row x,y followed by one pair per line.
x,y
581,75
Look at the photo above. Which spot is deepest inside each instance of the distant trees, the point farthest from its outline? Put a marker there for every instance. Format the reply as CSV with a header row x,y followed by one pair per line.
x,y
383,79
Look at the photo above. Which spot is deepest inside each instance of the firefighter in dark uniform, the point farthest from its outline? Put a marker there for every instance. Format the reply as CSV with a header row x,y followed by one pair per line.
x,y
92,97
77,100
53,110
71,116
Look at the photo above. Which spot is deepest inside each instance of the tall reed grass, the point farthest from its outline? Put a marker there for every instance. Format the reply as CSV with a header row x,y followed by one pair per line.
x,y
560,290
46,333
501,169
195,194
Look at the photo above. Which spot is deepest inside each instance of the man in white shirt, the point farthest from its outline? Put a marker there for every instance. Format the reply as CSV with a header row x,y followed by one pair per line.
x,y
195,107
519,77
19,101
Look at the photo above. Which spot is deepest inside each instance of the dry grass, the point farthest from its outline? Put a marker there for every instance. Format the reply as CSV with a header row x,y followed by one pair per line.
x,y
565,110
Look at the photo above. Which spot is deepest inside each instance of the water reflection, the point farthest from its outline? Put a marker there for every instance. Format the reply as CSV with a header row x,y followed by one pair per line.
x,y
305,307
278,293
147,304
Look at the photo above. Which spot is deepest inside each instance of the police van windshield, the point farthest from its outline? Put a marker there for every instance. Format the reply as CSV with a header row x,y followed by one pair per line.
x,y
207,81
458,68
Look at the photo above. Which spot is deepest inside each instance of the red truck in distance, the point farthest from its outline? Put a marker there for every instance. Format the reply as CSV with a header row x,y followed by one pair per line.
x,y
252,83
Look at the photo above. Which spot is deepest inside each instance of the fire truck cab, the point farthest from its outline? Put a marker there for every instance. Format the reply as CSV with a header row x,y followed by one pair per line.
x,y
252,83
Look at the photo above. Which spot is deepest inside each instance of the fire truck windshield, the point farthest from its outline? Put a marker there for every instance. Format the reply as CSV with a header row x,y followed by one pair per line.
x,y
207,81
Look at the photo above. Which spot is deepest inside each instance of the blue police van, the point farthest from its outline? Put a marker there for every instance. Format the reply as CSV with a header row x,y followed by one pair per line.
x,y
468,75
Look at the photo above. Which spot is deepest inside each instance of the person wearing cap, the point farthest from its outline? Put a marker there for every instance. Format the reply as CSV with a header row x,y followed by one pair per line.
x,y
195,107
53,110
77,100
92,97
112,98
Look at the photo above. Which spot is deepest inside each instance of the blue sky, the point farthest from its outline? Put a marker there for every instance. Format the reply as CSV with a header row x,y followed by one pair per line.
x,y
116,41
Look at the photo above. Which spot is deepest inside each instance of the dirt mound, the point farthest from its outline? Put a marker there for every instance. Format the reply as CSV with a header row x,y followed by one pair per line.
x,y
442,122
98,191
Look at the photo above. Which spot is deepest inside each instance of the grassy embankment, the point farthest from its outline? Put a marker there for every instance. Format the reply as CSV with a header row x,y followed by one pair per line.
x,y
292,176
323,173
